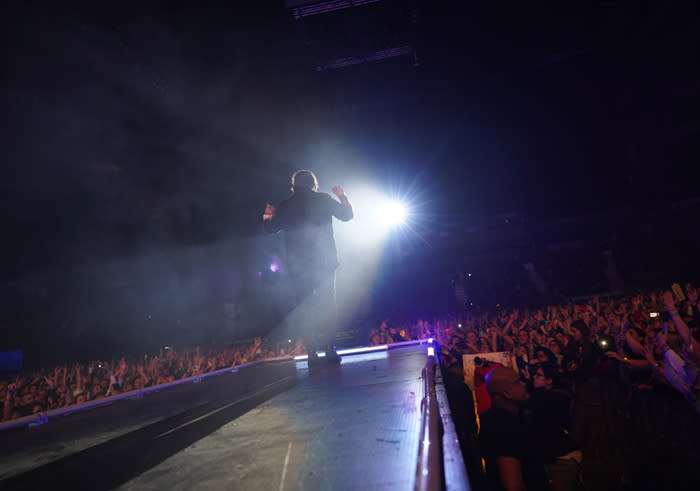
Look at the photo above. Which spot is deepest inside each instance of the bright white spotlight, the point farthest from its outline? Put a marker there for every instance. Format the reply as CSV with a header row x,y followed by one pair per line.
x,y
393,213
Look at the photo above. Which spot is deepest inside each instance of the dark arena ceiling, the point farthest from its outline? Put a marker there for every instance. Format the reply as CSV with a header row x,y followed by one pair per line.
x,y
131,125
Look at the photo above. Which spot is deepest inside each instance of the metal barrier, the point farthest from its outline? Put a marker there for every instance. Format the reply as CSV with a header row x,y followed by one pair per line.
x,y
367,349
43,417
429,472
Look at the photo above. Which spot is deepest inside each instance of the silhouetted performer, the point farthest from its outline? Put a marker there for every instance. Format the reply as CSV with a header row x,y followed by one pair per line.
x,y
307,220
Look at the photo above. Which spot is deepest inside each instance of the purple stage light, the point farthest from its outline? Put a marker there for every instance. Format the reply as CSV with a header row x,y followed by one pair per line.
x,y
274,268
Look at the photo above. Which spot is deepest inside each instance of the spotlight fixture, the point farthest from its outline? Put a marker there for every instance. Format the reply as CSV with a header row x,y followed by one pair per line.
x,y
393,213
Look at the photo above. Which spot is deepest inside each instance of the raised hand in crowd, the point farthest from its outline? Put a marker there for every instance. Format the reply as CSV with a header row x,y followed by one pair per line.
x,y
50,381
691,344
669,300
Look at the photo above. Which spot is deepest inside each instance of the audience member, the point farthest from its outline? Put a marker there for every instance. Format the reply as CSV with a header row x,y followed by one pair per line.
x,y
506,441
551,409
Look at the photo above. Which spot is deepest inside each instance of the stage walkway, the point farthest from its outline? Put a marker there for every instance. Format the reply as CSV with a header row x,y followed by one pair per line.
x,y
353,426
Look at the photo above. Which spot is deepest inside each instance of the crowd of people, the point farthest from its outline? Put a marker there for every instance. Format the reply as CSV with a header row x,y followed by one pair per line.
x,y
649,342
558,355
62,386
653,337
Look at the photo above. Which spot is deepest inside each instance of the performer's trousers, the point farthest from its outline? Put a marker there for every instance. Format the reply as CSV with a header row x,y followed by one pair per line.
x,y
316,306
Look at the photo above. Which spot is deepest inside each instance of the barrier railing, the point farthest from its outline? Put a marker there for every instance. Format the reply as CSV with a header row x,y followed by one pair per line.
x,y
43,416
429,472
367,349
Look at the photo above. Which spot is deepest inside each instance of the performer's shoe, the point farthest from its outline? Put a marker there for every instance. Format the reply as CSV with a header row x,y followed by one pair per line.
x,y
332,356
313,360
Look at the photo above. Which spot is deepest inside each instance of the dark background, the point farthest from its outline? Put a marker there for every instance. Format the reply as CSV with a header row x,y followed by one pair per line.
x,y
141,143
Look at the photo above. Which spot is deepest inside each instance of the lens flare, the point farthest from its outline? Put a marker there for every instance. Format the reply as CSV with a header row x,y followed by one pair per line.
x,y
393,213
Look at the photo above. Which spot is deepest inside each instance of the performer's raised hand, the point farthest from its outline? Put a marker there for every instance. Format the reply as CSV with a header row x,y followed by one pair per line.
x,y
269,212
338,191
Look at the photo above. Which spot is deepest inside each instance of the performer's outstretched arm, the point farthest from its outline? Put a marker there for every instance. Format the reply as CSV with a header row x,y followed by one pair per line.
x,y
344,212
269,223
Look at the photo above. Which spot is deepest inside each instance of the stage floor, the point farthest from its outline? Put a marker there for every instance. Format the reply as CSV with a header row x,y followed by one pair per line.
x,y
353,426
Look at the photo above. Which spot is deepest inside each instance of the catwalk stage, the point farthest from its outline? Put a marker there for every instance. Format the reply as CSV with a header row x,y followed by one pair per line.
x,y
270,426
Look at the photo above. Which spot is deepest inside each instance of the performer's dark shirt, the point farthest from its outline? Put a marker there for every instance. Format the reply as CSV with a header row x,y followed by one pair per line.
x,y
306,218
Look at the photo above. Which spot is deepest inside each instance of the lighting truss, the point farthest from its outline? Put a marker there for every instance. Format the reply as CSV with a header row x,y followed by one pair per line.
x,y
301,8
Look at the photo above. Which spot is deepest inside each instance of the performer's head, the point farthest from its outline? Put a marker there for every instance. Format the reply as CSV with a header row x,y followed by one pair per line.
x,y
304,179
